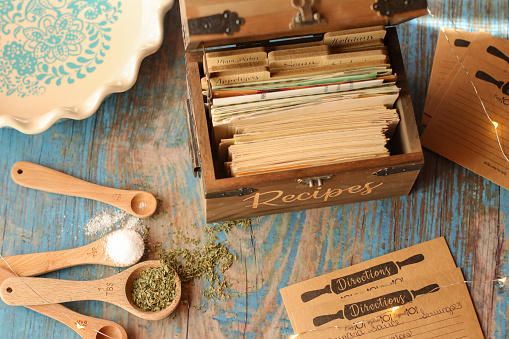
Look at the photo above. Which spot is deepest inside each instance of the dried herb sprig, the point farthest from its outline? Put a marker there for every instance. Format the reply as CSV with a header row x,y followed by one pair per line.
x,y
209,261
154,289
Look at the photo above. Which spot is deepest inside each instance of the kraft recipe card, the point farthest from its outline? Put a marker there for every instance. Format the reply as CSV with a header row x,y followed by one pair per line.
x,y
390,269
431,305
463,133
444,63
461,44
416,291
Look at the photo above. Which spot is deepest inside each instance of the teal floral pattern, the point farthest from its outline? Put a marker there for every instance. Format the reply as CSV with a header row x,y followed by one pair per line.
x,y
45,42
25,64
13,51
56,39
6,6
5,67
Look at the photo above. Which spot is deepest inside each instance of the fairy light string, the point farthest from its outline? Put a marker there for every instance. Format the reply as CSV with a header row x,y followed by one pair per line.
x,y
500,281
78,325
494,123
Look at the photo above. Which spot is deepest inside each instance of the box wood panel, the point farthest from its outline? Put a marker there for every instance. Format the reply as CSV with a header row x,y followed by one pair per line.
x,y
347,185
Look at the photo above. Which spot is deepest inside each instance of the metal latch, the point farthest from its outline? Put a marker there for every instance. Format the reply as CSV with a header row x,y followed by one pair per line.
x,y
306,16
234,193
311,182
395,170
393,7
227,23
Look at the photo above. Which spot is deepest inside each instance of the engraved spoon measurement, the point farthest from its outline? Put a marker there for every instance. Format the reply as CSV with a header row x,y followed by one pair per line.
x,y
115,290
138,203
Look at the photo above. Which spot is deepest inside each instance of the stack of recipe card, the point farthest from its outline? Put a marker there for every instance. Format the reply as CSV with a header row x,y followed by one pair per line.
x,y
460,126
414,292
302,105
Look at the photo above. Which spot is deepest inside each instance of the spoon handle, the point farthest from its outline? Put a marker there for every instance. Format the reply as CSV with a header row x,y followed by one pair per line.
x,y
35,176
34,264
91,325
16,292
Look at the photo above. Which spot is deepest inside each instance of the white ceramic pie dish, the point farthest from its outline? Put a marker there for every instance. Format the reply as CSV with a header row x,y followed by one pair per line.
x,y
60,58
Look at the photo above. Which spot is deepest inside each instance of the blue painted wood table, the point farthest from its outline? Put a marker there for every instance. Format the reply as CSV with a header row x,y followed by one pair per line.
x,y
138,140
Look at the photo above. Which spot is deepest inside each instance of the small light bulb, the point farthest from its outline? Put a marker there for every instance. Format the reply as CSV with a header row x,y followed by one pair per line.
x,y
395,308
495,124
502,281
79,326
293,336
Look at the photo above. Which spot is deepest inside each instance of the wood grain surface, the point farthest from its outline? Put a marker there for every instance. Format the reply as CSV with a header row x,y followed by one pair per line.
x,y
138,140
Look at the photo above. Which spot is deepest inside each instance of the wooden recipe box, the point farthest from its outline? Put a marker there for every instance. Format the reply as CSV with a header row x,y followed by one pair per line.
x,y
242,24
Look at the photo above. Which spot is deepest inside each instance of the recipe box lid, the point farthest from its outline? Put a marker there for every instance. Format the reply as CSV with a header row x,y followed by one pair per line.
x,y
223,22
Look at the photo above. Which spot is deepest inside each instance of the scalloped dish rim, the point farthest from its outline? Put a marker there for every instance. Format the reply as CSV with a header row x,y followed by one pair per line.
x,y
121,83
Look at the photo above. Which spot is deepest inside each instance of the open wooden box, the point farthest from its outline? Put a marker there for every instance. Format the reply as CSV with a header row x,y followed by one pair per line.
x,y
241,24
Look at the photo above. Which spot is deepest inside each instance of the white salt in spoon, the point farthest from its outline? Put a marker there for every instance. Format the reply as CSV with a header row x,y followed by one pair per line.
x,y
138,203
94,253
116,290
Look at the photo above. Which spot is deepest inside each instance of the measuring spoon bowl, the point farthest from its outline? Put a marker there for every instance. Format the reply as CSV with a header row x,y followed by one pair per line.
x,y
34,264
115,290
109,331
138,203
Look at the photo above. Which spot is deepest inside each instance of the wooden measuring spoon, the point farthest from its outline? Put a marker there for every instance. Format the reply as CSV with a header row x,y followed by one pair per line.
x,y
33,264
70,318
138,203
115,290
90,325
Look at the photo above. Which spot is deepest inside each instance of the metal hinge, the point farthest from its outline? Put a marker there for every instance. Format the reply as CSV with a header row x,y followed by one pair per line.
x,y
316,181
306,16
235,193
395,170
226,23
194,151
393,7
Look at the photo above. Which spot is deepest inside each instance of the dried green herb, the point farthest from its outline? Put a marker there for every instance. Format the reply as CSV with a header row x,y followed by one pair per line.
x,y
154,289
227,226
209,261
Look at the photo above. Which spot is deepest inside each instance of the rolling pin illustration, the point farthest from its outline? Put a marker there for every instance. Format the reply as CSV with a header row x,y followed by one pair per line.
x,y
342,284
384,302
498,53
488,78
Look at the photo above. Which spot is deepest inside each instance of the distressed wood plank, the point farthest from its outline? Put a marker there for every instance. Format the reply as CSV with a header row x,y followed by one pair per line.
x,y
138,140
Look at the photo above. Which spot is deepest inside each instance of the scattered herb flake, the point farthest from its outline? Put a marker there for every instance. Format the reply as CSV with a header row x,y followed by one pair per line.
x,y
209,261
